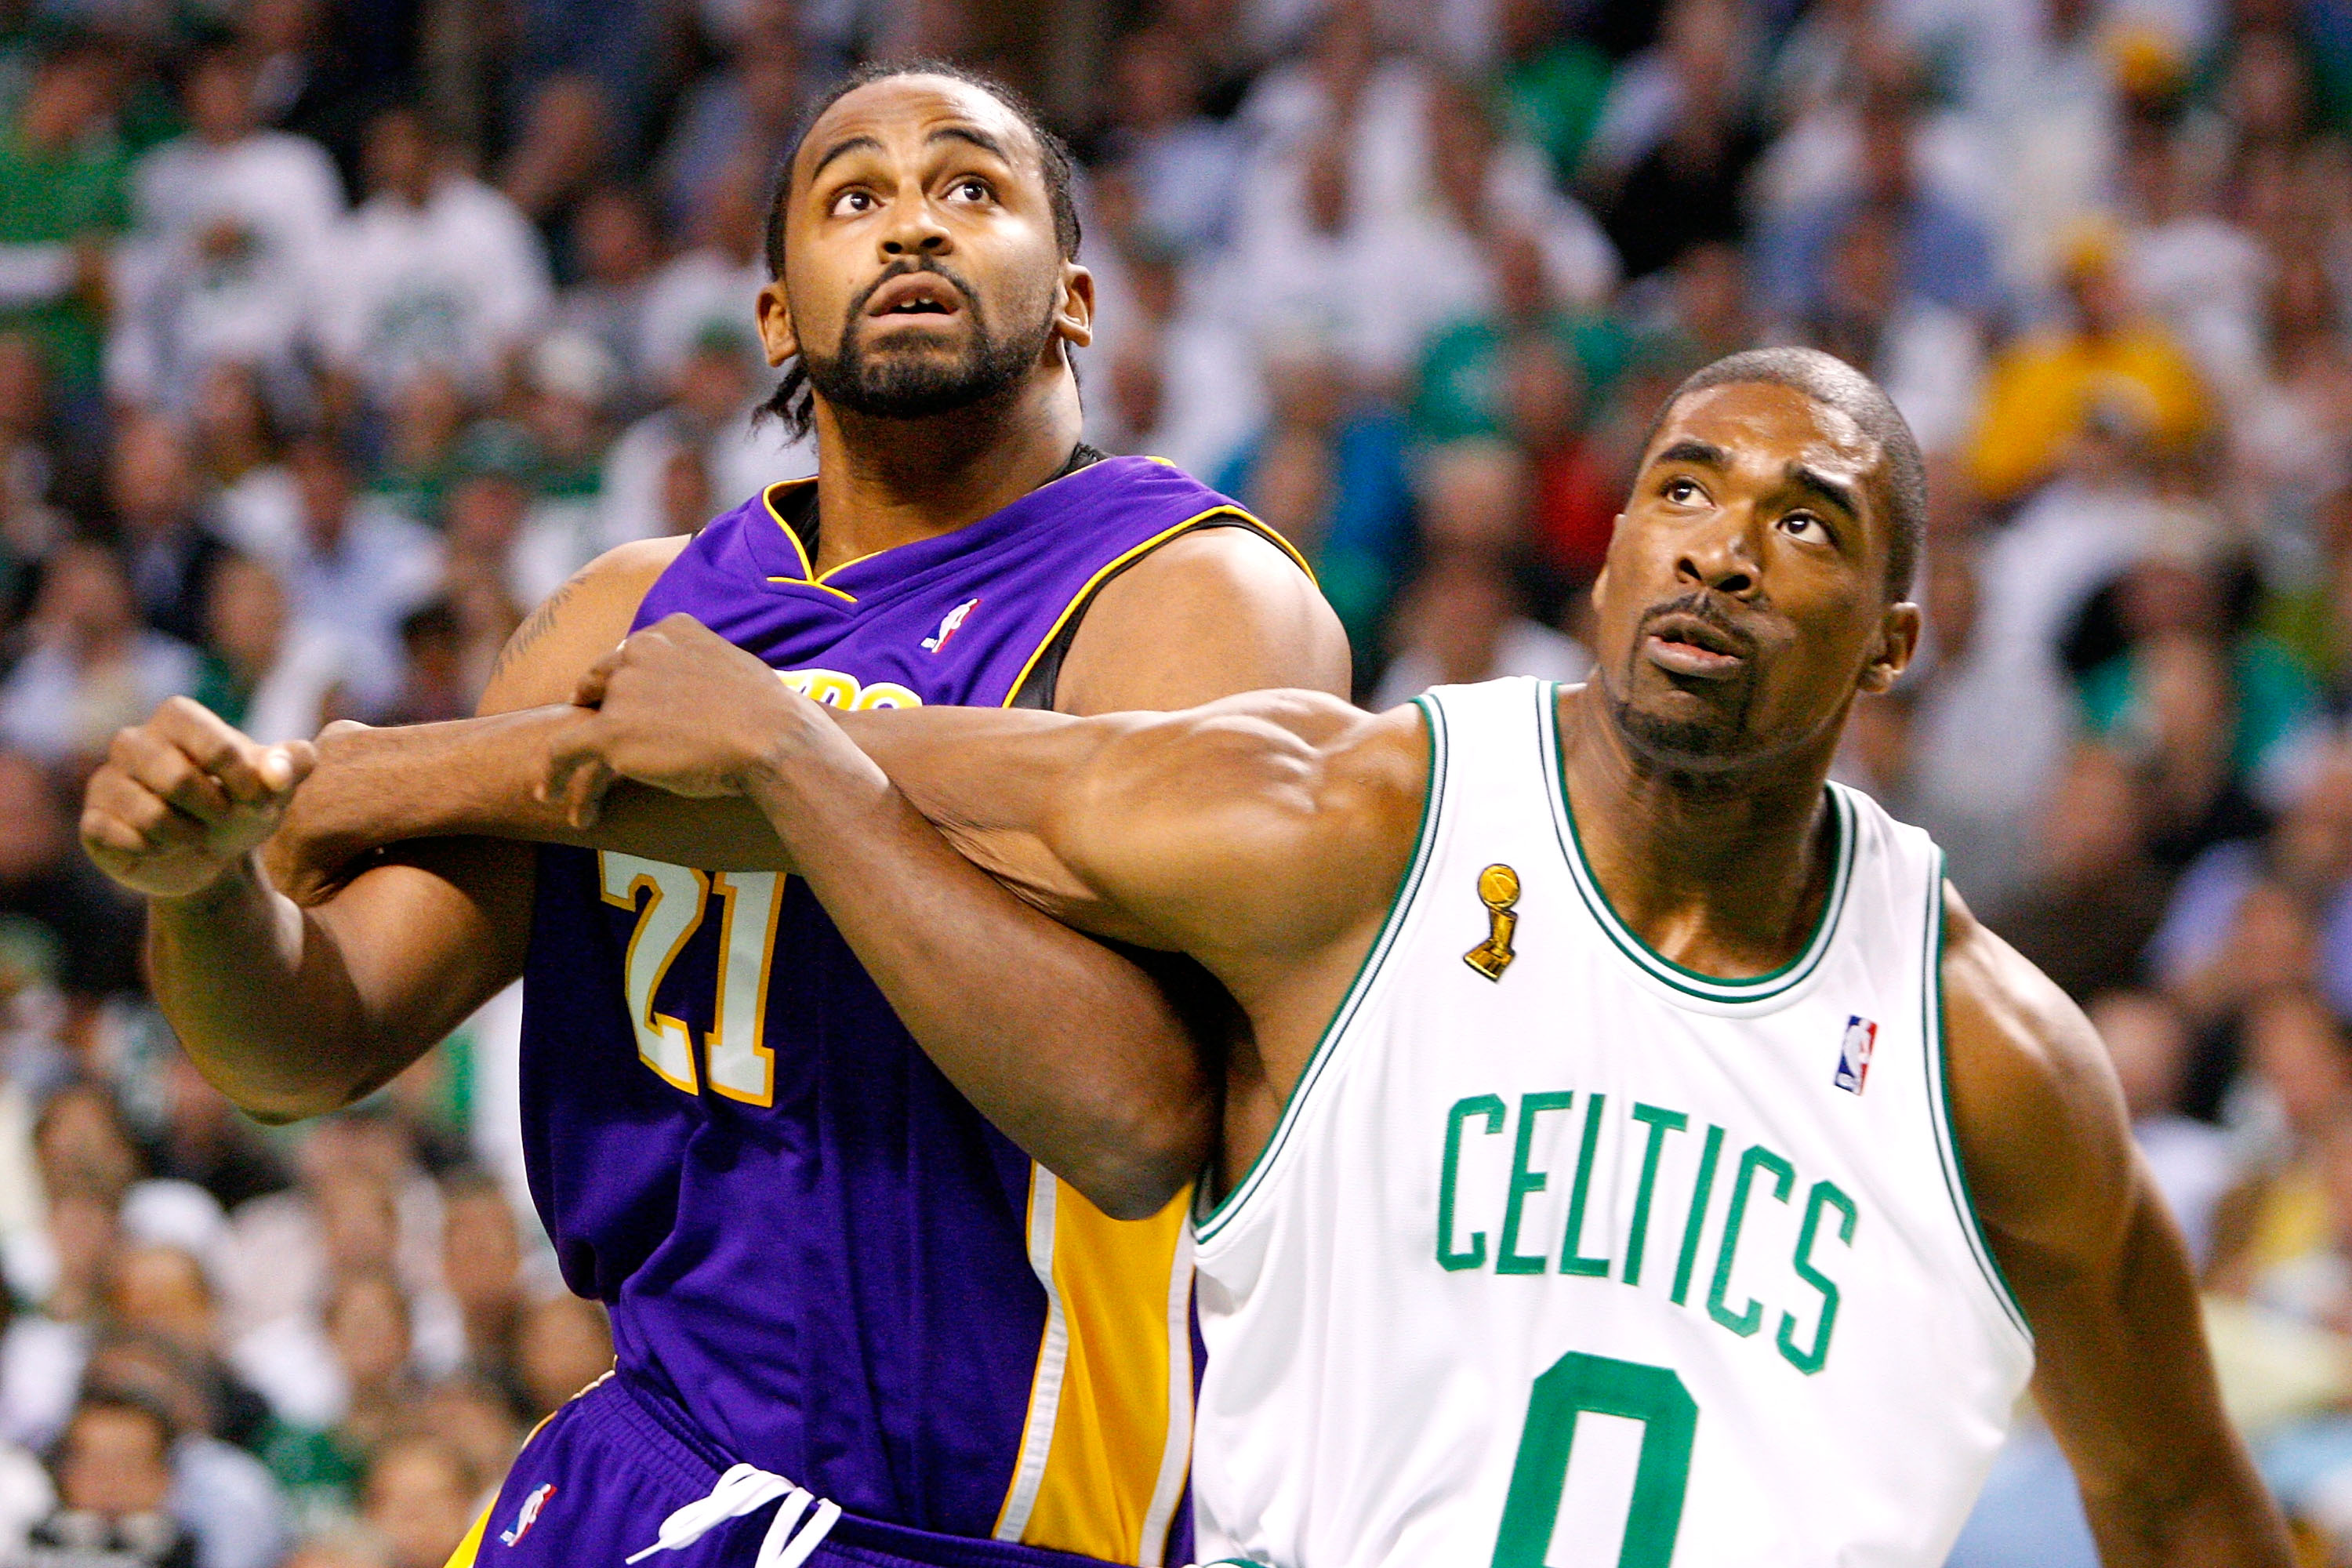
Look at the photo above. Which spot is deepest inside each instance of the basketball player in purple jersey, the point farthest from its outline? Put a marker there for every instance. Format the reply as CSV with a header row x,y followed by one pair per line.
x,y
852,1317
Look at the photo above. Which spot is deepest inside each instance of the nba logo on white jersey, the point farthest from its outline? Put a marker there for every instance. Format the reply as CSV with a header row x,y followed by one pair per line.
x,y
1854,1055
948,626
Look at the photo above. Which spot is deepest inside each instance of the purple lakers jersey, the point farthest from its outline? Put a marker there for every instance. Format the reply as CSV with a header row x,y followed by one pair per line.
x,y
809,1241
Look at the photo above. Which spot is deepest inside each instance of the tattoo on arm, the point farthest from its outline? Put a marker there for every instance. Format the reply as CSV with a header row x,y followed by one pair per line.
x,y
539,621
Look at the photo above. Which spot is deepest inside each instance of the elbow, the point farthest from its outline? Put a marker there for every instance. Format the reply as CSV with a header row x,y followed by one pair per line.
x,y
284,1101
1132,1195
285,1110
1152,1160
281,1107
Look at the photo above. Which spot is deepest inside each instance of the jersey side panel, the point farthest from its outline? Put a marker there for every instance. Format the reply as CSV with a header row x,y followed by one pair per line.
x,y
1108,1428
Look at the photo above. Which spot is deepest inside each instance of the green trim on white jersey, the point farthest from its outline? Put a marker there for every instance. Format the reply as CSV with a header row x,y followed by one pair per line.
x,y
1947,1131
1690,981
1214,1218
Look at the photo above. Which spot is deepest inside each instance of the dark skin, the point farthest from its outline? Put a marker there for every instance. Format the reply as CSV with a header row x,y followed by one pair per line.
x,y
298,1005
1742,613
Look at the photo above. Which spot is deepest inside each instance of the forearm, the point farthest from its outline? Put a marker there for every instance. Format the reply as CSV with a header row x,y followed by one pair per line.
x,y
2215,1515
1071,1050
482,778
244,977
2128,1383
293,1012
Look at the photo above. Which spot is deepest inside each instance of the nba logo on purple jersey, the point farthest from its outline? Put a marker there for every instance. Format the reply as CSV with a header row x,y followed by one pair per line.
x,y
532,1506
1853,1054
813,1247
949,627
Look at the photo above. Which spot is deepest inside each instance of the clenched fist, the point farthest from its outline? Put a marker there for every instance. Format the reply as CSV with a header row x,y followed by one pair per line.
x,y
184,797
677,707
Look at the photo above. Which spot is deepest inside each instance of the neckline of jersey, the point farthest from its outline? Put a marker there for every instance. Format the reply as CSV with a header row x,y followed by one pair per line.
x,y
955,541
1719,990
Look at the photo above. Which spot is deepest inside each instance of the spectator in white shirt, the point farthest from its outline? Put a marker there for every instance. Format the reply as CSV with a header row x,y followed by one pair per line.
x,y
228,222
359,569
709,414
715,283
617,251
435,272
1464,619
92,667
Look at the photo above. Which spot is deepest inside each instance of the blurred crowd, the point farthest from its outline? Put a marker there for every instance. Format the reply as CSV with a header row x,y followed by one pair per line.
x,y
335,333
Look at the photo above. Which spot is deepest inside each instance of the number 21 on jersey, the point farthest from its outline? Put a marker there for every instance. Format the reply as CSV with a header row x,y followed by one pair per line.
x,y
676,901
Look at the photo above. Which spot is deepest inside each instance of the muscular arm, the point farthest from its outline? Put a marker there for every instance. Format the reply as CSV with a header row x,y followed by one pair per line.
x,y
1262,835
1073,1053
1204,617
2122,1370
290,1010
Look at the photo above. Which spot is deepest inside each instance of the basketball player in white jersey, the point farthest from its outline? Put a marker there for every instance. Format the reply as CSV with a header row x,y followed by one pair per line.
x,y
1638,1154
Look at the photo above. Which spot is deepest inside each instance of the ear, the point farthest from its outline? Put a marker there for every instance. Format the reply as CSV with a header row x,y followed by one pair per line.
x,y
1073,321
1601,581
1898,639
777,335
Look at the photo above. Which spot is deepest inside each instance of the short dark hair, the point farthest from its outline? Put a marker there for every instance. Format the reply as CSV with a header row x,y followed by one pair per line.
x,y
1833,383
792,401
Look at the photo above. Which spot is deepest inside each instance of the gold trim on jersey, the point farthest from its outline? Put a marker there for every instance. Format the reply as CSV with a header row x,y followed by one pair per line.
x,y
1108,1435
1118,1352
1120,563
810,576
470,1546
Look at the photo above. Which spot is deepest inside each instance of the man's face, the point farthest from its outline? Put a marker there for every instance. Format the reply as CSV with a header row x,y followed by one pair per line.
x,y
325,487
219,100
925,274
399,156
114,1463
1742,605
152,486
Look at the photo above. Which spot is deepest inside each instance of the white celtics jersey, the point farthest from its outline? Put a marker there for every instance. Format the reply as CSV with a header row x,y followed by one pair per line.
x,y
1563,1254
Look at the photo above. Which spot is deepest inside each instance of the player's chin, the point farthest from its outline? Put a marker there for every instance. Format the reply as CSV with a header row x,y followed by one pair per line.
x,y
1699,730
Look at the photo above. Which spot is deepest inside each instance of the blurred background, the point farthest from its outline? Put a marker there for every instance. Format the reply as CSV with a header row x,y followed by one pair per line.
x,y
335,333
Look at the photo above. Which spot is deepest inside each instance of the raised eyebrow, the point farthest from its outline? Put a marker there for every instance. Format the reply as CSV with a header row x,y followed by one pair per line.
x,y
842,148
974,134
1690,449
1823,487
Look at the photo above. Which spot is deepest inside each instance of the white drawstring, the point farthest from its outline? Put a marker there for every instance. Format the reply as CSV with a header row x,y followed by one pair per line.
x,y
745,1489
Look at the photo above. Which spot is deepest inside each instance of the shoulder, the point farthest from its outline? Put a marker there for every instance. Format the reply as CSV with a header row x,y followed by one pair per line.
x,y
1224,566
1239,609
580,623
2036,1110
281,153
639,561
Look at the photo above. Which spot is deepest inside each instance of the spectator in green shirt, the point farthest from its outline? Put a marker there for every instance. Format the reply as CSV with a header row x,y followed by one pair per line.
x,y
1552,85
63,181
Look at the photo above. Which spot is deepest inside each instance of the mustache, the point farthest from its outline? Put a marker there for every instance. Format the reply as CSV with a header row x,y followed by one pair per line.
x,y
899,269
1702,606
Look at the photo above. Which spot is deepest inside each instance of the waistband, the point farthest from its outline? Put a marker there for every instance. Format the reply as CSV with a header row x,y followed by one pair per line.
x,y
667,1438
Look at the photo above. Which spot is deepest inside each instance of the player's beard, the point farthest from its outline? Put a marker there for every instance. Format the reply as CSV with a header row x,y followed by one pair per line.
x,y
1715,738
1698,745
911,380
